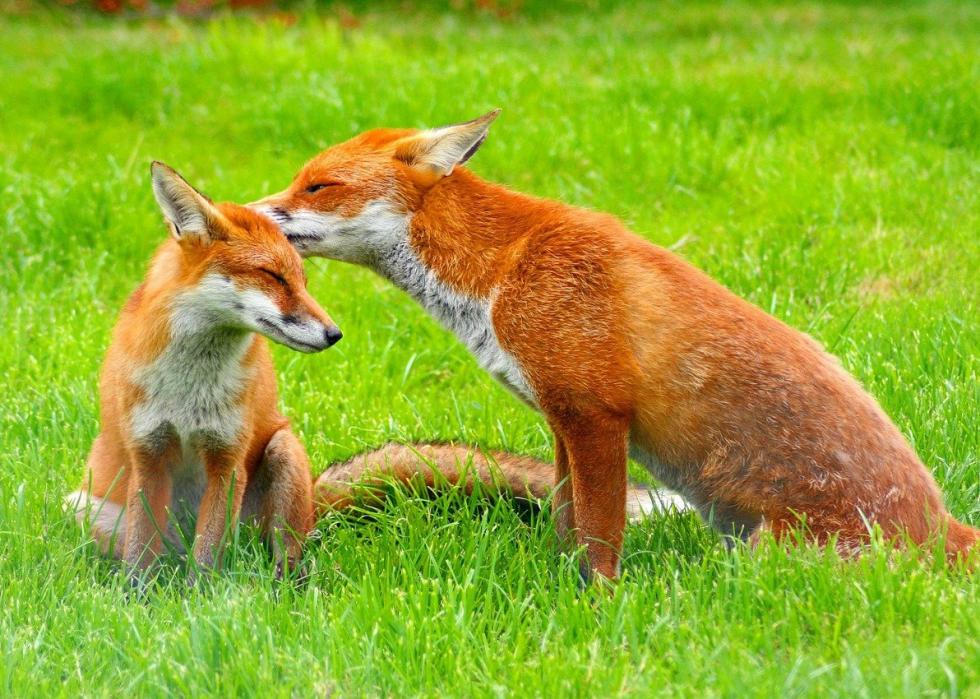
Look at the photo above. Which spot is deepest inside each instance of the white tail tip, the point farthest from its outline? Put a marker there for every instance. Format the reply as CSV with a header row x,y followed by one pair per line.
x,y
644,502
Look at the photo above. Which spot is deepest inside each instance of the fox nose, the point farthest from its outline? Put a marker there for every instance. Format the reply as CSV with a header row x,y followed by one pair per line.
x,y
332,335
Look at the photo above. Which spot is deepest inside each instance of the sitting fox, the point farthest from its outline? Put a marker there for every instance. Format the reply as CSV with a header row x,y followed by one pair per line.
x,y
625,348
190,427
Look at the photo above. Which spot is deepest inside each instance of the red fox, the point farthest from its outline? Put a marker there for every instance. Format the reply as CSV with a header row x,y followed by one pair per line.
x,y
624,347
188,392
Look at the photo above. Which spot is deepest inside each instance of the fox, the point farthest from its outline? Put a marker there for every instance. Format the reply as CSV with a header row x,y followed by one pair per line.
x,y
627,350
190,437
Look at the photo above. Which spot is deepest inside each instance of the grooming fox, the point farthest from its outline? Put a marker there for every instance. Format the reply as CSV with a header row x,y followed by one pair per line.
x,y
188,392
625,348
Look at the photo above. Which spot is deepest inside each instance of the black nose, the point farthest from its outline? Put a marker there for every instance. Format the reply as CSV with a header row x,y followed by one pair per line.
x,y
332,335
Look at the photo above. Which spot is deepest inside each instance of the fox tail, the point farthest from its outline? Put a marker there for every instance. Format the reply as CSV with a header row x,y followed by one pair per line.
x,y
440,465
961,539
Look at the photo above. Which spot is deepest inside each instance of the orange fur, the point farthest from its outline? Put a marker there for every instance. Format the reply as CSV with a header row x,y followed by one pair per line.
x,y
432,465
362,479
624,347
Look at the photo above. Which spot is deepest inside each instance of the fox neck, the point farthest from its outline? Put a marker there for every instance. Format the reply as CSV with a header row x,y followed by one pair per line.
x,y
463,235
449,257
194,388
192,366
199,331
184,320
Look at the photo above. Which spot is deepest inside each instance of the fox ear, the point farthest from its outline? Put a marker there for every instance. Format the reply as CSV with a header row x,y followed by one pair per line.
x,y
190,214
439,151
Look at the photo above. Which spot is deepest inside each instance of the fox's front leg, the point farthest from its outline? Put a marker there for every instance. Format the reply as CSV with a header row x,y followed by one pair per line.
x,y
147,500
596,445
220,504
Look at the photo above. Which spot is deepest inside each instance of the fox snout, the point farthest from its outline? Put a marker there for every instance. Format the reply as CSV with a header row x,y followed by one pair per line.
x,y
271,207
332,335
308,328
305,230
300,323
303,334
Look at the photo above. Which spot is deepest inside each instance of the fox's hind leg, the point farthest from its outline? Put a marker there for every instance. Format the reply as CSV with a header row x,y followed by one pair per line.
x,y
732,522
848,541
281,493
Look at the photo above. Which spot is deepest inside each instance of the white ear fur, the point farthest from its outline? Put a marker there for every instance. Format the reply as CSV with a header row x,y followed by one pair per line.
x,y
189,213
441,150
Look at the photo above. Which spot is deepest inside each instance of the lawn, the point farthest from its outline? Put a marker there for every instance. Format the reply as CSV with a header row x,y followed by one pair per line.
x,y
820,160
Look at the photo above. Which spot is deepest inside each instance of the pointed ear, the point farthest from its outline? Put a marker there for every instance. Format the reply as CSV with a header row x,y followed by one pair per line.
x,y
438,151
190,214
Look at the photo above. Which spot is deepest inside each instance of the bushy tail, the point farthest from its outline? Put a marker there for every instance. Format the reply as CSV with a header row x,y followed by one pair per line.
x,y
103,518
438,465
961,539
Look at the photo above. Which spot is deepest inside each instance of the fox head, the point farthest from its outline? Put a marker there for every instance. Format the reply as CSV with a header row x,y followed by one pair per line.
x,y
236,269
356,198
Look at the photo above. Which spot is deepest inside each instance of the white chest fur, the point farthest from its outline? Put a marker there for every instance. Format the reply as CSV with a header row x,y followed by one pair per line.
x,y
469,318
193,388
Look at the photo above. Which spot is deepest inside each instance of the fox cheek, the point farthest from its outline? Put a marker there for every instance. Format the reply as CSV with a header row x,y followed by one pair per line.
x,y
288,307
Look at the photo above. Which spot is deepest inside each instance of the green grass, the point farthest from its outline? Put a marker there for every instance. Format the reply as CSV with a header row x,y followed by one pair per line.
x,y
820,160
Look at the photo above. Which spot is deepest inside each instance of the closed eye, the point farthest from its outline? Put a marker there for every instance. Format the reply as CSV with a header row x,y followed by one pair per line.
x,y
314,188
278,277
